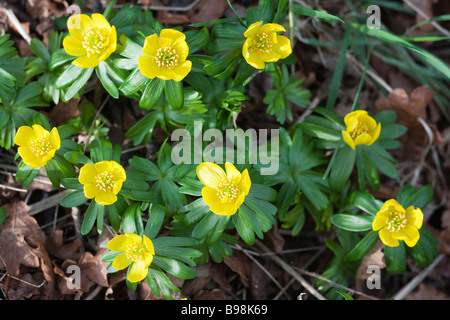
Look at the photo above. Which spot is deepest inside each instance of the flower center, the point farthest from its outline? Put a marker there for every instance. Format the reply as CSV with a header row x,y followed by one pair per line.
x,y
95,41
359,130
104,181
166,57
262,42
227,190
40,146
396,220
135,252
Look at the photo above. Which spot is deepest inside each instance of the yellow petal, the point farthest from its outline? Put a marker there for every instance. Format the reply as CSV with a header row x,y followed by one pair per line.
x,y
103,166
106,198
414,217
182,70
50,154
270,56
120,242
210,174
272,27
90,191
117,186
368,121
210,196
412,236
348,139
355,114
166,74
27,155
224,209
24,136
254,59
138,271
86,62
233,174
245,51
174,35
73,46
239,200
78,25
121,261
39,131
148,244
151,45
148,67
54,139
387,239
253,29
100,22
118,171
87,174
283,47
376,133
380,220
364,138
245,183
182,50
392,202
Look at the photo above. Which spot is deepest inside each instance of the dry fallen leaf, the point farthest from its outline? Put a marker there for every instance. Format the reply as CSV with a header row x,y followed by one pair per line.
x,y
14,248
426,292
57,248
373,258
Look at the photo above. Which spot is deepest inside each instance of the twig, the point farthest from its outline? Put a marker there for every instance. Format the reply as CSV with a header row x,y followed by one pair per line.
x,y
424,15
13,189
93,121
47,202
291,271
262,268
16,23
410,286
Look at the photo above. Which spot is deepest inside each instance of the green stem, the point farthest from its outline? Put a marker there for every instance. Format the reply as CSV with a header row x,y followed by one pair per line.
x,y
237,16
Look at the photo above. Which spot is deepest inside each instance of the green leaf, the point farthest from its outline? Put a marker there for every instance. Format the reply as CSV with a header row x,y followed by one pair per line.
x,y
409,196
174,93
152,93
77,158
366,202
107,83
351,222
342,167
69,75
174,267
425,250
78,84
197,40
302,11
395,258
91,215
128,219
26,174
133,83
243,226
364,246
155,220
73,199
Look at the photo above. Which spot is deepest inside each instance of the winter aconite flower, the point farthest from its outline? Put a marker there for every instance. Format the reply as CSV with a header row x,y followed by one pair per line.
x,y
165,56
224,192
102,181
395,223
137,251
263,44
361,129
91,39
36,145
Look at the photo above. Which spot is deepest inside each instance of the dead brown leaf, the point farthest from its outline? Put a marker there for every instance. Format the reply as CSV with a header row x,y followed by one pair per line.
x,y
215,294
207,10
15,249
374,258
426,292
57,248
65,110
241,264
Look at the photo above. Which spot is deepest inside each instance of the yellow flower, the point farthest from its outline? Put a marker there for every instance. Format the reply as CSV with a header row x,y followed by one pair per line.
x,y
224,192
135,249
37,145
165,57
264,45
395,223
91,39
102,181
361,129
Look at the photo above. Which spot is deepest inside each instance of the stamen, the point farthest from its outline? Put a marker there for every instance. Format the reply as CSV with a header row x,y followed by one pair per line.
x,y
135,252
227,190
95,41
262,42
166,57
104,181
40,146
396,220
359,130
